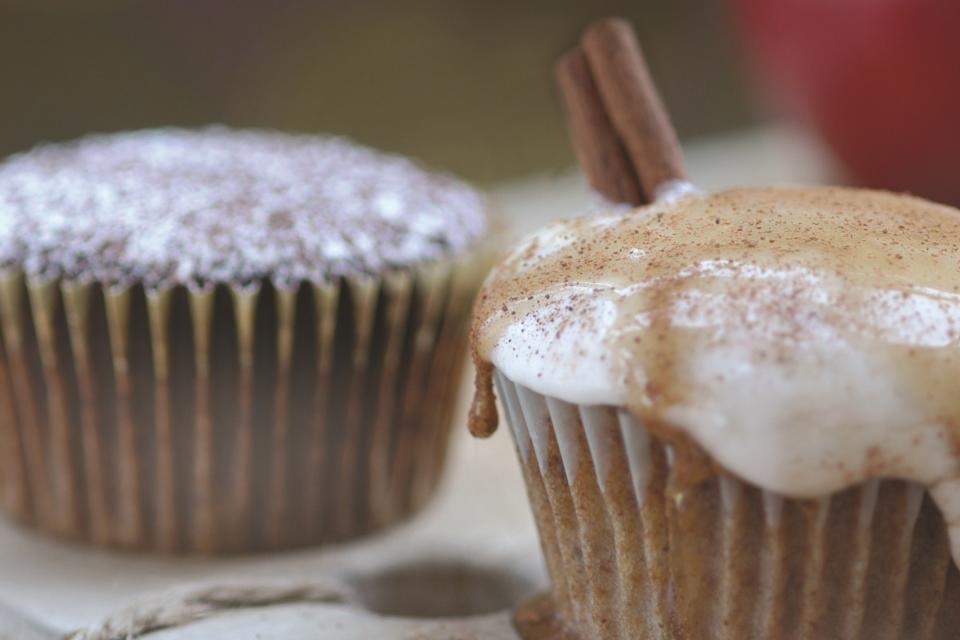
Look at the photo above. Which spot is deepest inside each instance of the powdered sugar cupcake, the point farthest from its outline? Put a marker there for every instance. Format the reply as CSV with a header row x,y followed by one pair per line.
x,y
221,340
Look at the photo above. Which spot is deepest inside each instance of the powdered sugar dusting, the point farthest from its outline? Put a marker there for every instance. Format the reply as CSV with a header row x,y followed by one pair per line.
x,y
217,205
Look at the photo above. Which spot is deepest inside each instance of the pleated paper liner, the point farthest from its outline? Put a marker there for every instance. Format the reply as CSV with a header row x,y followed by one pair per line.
x,y
232,419
631,557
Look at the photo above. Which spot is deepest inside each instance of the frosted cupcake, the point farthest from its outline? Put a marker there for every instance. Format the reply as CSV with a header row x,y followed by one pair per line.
x,y
224,340
736,415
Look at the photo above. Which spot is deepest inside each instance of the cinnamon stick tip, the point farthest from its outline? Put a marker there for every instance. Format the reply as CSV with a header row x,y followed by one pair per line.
x,y
604,27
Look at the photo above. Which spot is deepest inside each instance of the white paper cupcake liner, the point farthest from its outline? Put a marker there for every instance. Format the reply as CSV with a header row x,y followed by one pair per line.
x,y
636,550
228,419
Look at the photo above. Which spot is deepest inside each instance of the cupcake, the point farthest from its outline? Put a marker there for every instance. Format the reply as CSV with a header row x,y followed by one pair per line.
x,y
736,414
222,341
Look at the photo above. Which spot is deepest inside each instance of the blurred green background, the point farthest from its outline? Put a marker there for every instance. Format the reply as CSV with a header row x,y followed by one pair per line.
x,y
461,84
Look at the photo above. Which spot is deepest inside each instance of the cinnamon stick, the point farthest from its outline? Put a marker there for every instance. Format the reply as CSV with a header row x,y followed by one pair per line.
x,y
620,129
598,147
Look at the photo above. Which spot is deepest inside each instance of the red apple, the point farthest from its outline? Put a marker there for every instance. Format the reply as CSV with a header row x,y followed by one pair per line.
x,y
878,79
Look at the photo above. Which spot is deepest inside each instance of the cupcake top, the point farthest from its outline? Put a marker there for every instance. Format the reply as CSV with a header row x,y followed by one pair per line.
x,y
806,338
196,207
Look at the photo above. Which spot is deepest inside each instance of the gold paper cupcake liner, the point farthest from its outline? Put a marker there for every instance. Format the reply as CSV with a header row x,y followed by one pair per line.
x,y
632,553
228,419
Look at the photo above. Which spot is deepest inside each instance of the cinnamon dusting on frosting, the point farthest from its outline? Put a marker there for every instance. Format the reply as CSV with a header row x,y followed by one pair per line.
x,y
806,338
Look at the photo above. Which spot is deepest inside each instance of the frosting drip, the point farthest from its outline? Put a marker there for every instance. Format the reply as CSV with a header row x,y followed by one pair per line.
x,y
807,339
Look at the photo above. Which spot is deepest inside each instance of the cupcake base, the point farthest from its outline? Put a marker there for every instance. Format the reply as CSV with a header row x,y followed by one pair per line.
x,y
642,540
537,619
231,419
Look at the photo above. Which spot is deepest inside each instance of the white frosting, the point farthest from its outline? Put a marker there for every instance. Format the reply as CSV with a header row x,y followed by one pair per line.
x,y
811,344
573,369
